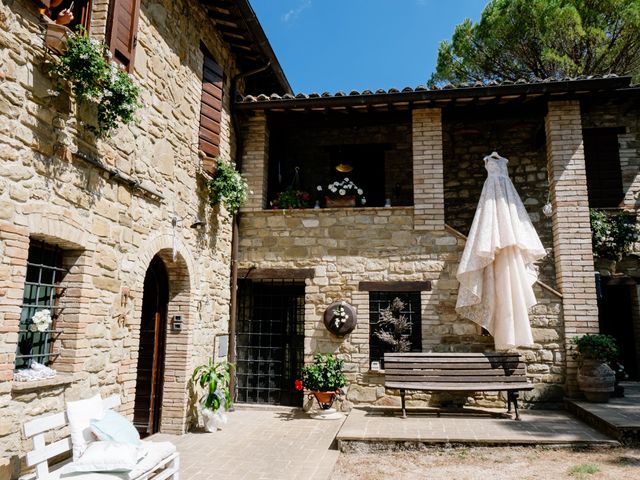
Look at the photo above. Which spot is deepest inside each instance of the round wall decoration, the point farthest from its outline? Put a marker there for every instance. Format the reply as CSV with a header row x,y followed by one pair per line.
x,y
340,318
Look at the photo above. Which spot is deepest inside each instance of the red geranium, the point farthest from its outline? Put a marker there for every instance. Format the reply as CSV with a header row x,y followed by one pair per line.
x,y
298,384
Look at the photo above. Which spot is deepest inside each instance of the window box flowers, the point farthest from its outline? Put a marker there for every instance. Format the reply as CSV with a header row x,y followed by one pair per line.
x,y
342,193
291,199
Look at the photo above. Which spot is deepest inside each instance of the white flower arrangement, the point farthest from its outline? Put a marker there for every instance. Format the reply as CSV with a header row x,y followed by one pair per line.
x,y
344,188
340,315
40,321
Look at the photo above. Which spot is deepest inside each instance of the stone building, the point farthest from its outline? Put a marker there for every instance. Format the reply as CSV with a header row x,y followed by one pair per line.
x,y
116,236
417,155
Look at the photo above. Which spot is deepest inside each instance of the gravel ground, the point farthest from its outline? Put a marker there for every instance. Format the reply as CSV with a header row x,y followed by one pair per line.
x,y
492,463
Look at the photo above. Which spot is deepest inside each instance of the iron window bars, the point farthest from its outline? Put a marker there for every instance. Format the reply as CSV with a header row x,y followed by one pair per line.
x,y
42,290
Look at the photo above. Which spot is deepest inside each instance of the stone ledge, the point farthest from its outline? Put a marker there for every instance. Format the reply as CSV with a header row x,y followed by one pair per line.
x,y
56,381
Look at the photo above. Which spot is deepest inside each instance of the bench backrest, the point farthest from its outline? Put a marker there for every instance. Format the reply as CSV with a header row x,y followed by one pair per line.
x,y
41,451
482,368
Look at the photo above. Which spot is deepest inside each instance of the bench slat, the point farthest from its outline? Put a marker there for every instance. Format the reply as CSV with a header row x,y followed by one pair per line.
x,y
44,424
450,379
43,454
476,361
462,370
469,387
450,355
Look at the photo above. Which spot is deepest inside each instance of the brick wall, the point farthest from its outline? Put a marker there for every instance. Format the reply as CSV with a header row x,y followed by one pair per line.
x,y
571,228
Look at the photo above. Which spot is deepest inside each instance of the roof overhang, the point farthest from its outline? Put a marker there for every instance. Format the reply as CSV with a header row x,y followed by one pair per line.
x,y
239,27
476,94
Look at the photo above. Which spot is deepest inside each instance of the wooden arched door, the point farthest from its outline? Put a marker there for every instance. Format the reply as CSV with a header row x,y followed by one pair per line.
x,y
151,352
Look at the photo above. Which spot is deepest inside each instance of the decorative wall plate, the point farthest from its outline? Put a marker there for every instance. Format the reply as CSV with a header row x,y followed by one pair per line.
x,y
340,318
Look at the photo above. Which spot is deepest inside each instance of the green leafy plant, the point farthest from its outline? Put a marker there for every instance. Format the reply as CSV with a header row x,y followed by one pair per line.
x,y
227,186
85,66
291,199
214,379
325,374
612,233
596,347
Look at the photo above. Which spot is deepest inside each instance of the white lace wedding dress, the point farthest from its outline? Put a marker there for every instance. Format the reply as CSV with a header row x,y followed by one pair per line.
x,y
497,271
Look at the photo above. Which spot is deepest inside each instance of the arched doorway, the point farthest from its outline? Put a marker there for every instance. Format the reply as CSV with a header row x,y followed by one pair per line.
x,y
151,352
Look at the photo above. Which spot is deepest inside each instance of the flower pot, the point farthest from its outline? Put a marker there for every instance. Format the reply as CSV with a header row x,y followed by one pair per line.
x,y
325,399
596,380
55,37
340,202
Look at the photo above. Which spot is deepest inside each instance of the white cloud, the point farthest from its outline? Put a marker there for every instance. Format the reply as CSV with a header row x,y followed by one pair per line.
x,y
294,13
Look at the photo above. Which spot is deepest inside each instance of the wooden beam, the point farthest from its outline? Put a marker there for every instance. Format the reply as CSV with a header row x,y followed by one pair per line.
x,y
394,286
276,273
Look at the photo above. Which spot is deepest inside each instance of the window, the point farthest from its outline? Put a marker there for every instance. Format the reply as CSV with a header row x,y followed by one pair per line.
x,y
42,291
81,10
379,301
122,31
602,160
210,108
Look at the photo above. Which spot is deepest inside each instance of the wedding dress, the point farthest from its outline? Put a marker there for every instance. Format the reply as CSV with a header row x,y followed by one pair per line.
x,y
497,271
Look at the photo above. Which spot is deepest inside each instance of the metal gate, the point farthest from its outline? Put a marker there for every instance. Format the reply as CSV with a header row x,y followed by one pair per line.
x,y
270,341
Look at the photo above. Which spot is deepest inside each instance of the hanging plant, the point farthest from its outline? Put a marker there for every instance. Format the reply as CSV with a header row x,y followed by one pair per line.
x,y
612,233
86,67
227,186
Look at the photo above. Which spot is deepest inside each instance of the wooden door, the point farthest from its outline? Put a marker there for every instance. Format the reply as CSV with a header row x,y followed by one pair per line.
x,y
150,371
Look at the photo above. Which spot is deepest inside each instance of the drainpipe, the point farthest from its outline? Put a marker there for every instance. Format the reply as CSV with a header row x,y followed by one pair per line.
x,y
233,303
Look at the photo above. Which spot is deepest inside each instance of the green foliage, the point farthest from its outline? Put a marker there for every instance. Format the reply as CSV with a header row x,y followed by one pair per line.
x,y
583,469
612,233
325,374
543,38
596,347
394,328
85,66
291,199
227,186
214,379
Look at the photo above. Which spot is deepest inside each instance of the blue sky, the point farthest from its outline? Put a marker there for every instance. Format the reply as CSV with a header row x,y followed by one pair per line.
x,y
331,45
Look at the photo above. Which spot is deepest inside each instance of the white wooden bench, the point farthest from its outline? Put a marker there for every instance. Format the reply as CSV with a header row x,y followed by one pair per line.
x,y
165,468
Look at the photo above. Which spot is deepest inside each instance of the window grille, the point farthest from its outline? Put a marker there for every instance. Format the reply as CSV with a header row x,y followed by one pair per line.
x,y
378,301
42,290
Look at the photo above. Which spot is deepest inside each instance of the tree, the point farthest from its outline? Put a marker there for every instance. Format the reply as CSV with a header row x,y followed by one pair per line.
x,y
529,39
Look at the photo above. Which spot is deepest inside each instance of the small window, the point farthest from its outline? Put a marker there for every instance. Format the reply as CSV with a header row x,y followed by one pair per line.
x,y
380,301
42,292
602,160
80,9
122,31
210,108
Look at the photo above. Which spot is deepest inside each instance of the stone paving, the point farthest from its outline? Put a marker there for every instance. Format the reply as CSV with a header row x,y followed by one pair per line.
x,y
260,444
369,430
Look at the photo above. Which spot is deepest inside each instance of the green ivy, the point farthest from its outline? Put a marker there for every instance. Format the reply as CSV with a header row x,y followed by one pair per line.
x,y
85,66
613,233
214,378
227,186
325,374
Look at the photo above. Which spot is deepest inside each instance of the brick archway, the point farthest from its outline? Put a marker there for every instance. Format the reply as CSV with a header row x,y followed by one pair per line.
x,y
181,273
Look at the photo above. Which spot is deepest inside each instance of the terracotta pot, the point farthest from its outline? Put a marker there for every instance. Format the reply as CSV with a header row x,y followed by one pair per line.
x,y
342,202
324,399
596,380
56,37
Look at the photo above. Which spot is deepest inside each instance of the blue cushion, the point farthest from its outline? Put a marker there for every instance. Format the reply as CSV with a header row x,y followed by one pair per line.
x,y
115,428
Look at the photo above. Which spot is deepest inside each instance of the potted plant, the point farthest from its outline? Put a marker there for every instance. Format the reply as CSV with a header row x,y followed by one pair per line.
x,y
594,354
342,193
214,379
291,199
227,186
612,233
324,378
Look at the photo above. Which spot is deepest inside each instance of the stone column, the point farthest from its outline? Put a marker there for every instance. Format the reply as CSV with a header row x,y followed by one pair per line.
x,y
255,161
571,226
428,170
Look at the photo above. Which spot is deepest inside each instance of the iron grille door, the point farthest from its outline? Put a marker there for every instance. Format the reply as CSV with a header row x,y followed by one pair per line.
x,y
270,341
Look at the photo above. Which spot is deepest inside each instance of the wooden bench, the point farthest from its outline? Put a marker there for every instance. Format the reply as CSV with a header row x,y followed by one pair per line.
x,y
164,468
456,372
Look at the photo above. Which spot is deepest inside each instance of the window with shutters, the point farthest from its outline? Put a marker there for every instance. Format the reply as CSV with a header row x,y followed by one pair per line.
x,y
602,160
122,31
210,108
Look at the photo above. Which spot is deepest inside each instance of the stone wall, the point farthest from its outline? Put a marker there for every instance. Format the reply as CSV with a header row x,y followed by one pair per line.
x,y
346,246
110,230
